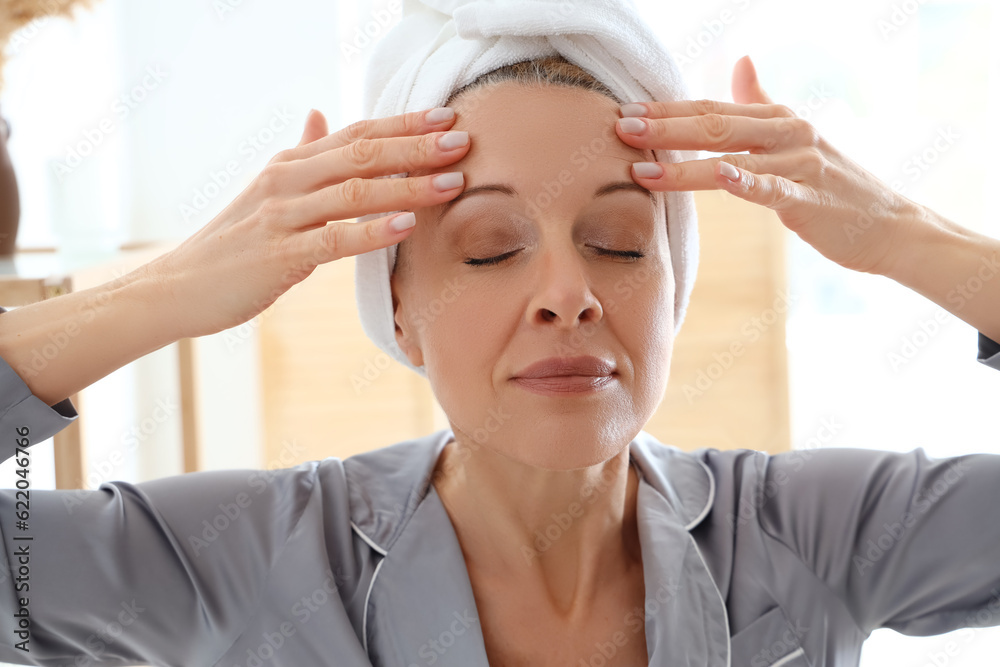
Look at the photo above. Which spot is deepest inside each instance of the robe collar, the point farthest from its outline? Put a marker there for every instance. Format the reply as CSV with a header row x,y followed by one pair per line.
x,y
420,608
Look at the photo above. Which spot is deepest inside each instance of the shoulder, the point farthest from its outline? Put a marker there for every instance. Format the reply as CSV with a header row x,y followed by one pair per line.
x,y
383,487
699,481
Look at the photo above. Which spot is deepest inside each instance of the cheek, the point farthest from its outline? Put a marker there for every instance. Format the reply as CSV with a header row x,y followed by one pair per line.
x,y
464,322
643,314
463,345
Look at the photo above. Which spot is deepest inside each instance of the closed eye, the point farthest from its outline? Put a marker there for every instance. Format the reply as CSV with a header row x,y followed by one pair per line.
x,y
631,255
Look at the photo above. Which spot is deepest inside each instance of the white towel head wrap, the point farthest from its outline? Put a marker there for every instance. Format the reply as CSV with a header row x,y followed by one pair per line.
x,y
439,46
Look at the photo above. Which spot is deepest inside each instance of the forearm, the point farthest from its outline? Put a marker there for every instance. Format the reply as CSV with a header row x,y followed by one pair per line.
x,y
61,345
954,267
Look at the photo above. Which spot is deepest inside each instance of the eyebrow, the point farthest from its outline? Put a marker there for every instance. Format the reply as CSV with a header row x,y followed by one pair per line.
x,y
504,188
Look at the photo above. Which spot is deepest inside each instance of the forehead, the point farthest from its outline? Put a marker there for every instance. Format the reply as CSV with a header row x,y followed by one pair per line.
x,y
521,134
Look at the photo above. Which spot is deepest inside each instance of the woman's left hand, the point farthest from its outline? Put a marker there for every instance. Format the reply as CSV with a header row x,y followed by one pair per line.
x,y
846,213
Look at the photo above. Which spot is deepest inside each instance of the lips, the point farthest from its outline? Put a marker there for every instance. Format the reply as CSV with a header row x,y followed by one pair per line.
x,y
583,366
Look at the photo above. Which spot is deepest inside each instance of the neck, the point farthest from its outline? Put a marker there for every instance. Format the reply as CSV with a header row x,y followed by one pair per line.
x,y
564,531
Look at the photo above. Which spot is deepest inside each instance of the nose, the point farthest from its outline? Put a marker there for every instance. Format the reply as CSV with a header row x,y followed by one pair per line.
x,y
563,296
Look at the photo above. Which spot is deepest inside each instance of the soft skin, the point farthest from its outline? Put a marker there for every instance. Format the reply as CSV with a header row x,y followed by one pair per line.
x,y
518,457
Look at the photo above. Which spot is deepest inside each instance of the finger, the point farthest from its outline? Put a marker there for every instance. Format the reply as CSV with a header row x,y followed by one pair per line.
x,y
315,127
746,85
360,196
368,158
701,107
717,132
407,124
774,192
703,174
343,239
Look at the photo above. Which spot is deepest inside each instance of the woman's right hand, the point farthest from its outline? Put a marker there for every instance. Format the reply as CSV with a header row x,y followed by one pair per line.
x,y
275,233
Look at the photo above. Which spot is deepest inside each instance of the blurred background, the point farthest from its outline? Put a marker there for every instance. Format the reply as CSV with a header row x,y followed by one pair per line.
x,y
136,123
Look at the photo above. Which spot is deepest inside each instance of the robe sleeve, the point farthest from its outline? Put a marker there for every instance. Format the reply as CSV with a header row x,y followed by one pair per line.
x,y
904,540
164,572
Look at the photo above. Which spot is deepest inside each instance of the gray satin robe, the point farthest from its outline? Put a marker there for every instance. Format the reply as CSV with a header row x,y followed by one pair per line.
x,y
749,559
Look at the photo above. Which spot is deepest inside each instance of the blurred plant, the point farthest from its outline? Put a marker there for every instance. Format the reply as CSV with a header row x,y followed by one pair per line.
x,y
15,14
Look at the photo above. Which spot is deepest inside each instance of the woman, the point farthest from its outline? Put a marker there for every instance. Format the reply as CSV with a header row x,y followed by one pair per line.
x,y
565,535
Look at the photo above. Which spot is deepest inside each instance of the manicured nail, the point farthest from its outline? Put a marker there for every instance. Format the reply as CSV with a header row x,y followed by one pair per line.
x,y
402,222
647,169
439,115
449,181
634,109
452,140
730,172
632,125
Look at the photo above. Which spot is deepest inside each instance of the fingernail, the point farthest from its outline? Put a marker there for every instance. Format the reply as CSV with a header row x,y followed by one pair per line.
x,y
647,169
439,115
402,222
729,171
449,181
452,140
632,125
634,109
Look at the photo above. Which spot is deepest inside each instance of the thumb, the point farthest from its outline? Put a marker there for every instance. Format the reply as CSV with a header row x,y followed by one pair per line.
x,y
746,86
315,128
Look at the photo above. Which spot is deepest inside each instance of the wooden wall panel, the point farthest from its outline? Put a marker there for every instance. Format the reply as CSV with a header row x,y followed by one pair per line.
x,y
712,401
330,390
324,385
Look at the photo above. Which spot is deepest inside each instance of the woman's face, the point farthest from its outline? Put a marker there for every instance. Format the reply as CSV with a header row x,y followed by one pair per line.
x,y
555,294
